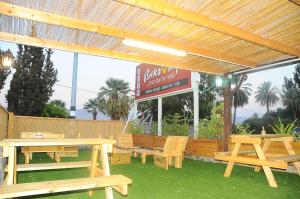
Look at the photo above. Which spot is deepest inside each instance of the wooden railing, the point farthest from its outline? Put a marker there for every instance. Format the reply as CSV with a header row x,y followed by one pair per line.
x,y
3,123
70,127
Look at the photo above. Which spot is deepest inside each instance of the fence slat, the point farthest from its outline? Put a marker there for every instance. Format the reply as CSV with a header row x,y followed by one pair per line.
x,y
3,123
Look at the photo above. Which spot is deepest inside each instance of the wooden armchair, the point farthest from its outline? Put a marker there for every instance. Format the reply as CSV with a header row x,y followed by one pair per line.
x,y
172,153
125,141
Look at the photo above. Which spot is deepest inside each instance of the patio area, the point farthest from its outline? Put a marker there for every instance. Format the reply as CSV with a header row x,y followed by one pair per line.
x,y
221,39
197,179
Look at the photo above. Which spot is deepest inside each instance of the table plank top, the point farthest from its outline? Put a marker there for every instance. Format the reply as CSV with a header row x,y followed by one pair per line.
x,y
55,142
263,136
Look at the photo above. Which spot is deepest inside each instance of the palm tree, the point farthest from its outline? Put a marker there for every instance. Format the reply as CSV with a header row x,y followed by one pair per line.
x,y
241,98
91,106
266,95
291,100
117,101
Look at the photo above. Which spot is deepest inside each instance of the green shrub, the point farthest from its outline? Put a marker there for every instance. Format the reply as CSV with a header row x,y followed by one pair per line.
x,y
243,129
280,128
135,128
213,128
175,125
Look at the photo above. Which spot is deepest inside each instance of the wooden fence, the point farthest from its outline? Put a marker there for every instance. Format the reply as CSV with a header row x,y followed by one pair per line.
x,y
205,147
11,126
70,127
3,123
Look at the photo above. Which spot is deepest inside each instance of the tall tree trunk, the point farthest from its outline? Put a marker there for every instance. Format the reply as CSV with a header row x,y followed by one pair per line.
x,y
234,115
268,107
94,115
227,116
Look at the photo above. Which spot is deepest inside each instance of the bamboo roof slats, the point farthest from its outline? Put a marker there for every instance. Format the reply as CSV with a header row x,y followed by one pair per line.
x,y
219,36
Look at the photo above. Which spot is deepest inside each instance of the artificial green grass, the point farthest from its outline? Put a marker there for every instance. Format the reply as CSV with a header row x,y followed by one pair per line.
x,y
196,180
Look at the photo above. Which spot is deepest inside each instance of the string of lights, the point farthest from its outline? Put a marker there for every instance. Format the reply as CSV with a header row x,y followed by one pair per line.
x,y
79,89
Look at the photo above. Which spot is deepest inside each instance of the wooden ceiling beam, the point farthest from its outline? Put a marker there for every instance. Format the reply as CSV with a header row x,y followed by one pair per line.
x,y
33,41
53,19
170,10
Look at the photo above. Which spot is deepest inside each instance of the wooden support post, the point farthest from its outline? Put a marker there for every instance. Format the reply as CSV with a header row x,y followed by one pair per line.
x,y
267,170
230,164
266,146
105,168
291,151
27,157
11,173
143,156
94,159
58,157
10,130
227,113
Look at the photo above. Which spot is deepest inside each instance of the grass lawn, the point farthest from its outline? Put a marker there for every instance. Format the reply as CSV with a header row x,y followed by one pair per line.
x,y
196,180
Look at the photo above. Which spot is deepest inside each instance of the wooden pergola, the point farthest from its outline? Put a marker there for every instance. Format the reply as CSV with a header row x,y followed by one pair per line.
x,y
219,36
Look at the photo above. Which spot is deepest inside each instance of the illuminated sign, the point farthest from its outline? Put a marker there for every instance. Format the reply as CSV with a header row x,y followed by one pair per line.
x,y
154,81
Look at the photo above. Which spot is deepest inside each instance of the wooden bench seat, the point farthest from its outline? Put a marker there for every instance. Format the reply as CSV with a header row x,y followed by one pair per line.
x,y
244,152
252,161
52,166
36,188
287,159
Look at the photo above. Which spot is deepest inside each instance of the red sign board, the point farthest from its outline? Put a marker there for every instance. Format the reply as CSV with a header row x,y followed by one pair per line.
x,y
154,81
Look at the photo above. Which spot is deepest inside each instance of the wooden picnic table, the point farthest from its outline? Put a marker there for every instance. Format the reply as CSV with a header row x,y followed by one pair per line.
x,y
12,189
53,151
259,157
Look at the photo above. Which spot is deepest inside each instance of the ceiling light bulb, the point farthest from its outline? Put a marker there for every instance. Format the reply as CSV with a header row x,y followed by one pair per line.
x,y
153,47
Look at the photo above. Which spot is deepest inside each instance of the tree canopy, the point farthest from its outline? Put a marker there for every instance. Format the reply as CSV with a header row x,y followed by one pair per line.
x,y
32,83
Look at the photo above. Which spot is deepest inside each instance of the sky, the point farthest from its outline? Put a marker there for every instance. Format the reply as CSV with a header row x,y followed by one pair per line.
x,y
94,70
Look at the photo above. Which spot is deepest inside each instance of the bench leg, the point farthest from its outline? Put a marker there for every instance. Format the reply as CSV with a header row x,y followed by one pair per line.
x,y
94,159
57,157
27,157
178,162
106,170
230,164
135,154
11,173
167,163
291,151
266,146
267,170
143,156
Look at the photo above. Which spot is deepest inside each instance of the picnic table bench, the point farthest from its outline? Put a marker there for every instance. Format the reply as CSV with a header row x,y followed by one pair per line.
x,y
98,177
259,158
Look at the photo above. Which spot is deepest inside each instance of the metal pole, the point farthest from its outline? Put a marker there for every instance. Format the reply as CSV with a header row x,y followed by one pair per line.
x,y
196,112
74,87
132,115
159,118
195,86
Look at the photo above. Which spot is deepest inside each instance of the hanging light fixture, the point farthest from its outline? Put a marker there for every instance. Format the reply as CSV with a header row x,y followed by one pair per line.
x,y
153,47
219,82
7,59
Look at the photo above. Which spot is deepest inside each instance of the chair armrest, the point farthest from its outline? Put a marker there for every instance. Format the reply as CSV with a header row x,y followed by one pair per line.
x,y
158,149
